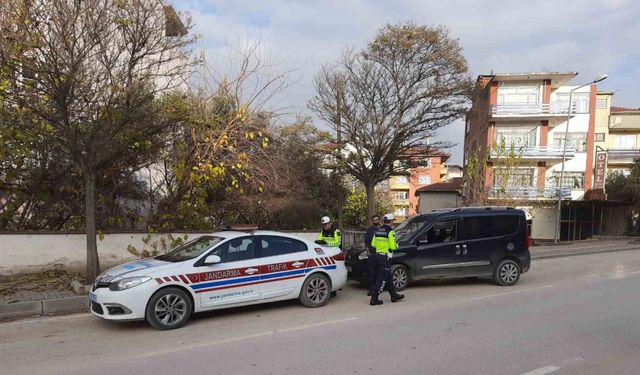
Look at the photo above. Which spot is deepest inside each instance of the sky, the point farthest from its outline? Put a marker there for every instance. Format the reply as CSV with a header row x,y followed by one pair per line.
x,y
587,36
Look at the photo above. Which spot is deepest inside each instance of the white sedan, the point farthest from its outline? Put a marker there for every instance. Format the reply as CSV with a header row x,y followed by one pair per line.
x,y
224,269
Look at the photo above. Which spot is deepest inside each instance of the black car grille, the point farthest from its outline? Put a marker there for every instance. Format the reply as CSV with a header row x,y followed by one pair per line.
x,y
97,308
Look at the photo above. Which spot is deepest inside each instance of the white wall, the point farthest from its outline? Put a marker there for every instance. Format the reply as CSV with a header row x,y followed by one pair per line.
x,y
24,253
543,223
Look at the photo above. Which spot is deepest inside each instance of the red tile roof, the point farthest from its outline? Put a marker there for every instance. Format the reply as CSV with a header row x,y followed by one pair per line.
x,y
452,185
623,109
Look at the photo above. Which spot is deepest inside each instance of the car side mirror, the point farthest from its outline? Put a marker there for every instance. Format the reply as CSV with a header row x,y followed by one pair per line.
x,y
212,259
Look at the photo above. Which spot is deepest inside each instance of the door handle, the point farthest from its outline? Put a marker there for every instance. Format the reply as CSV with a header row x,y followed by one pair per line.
x,y
250,271
457,249
297,264
464,249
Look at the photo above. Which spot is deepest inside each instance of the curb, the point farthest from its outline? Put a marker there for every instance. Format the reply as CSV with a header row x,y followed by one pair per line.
x,y
45,307
545,256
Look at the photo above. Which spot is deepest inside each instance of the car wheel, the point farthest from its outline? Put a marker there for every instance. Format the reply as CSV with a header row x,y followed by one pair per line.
x,y
400,276
507,273
316,290
169,308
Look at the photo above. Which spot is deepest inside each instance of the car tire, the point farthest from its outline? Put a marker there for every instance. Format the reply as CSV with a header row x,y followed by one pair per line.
x,y
169,308
507,273
316,290
400,277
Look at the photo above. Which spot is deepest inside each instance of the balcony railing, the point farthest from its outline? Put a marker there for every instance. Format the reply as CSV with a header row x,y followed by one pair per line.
x,y
399,202
529,192
537,152
531,110
630,155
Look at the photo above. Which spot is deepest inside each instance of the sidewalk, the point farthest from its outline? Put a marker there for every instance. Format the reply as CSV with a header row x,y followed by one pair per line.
x,y
582,248
50,302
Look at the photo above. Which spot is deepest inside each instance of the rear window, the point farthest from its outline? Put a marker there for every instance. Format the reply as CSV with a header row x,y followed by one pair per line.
x,y
477,227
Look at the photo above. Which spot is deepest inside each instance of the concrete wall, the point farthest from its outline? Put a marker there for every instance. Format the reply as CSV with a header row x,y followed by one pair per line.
x,y
432,200
543,223
23,253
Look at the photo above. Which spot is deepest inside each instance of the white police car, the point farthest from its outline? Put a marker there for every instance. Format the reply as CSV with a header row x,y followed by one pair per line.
x,y
224,269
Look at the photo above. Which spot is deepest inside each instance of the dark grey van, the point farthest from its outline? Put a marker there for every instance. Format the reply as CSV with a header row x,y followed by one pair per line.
x,y
456,243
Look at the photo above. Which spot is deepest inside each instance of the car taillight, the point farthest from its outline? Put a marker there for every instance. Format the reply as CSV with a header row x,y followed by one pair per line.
x,y
527,239
340,256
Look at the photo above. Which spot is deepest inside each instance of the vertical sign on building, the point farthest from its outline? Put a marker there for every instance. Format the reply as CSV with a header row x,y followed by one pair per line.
x,y
601,170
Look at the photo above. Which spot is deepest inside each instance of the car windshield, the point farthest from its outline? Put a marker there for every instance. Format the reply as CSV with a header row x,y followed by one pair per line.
x,y
411,226
191,249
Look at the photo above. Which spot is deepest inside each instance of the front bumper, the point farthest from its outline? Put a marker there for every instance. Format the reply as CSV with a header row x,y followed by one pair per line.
x,y
129,304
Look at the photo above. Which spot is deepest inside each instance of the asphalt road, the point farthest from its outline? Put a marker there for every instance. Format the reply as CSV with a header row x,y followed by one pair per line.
x,y
574,315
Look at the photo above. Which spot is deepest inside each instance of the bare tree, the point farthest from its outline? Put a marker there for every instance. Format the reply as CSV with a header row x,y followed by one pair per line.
x,y
92,71
387,100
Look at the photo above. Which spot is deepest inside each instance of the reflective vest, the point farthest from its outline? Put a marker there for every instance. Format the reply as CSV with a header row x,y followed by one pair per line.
x,y
384,240
331,237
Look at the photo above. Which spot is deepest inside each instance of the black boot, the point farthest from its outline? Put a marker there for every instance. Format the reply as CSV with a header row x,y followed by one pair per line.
x,y
375,301
395,297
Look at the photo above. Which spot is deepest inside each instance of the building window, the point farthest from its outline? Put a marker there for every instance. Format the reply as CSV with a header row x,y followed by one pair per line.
x,y
575,140
599,137
571,180
424,180
601,103
625,142
401,212
429,163
513,177
402,180
518,94
516,136
401,195
620,171
580,102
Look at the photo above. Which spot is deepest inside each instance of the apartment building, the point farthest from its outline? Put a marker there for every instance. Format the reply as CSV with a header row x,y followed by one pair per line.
x,y
623,144
402,188
529,111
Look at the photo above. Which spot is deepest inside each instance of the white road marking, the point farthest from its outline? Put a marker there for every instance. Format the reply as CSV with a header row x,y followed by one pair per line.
x,y
241,338
543,370
509,293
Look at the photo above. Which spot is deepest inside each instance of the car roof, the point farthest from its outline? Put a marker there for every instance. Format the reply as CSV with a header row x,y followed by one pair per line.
x,y
473,210
229,234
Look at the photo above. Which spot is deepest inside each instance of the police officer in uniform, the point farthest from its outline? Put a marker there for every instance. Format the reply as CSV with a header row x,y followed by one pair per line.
x,y
329,235
371,260
384,242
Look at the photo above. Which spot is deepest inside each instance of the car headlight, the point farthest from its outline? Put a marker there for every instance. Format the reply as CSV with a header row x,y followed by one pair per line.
x,y
128,283
363,255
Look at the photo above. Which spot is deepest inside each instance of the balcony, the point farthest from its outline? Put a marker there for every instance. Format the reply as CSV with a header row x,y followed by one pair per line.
x,y
530,111
400,202
529,192
537,153
623,156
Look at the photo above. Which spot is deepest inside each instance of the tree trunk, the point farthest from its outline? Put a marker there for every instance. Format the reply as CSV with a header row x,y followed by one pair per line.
x,y
93,262
371,200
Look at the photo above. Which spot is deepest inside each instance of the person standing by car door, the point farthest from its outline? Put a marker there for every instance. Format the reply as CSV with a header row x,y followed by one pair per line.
x,y
371,260
384,241
329,235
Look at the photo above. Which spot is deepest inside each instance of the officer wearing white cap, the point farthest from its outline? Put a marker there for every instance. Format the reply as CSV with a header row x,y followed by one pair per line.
x,y
329,235
384,241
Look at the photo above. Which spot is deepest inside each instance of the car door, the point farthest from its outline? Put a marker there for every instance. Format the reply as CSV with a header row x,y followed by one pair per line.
x,y
485,238
235,280
439,250
283,265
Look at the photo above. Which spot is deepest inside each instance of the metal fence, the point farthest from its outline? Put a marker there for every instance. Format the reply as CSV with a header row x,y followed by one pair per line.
x,y
352,238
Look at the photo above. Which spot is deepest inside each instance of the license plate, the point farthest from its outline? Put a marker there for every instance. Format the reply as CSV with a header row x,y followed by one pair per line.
x,y
349,269
93,297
